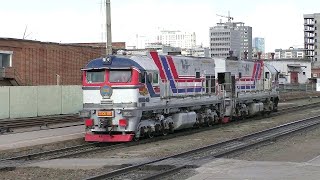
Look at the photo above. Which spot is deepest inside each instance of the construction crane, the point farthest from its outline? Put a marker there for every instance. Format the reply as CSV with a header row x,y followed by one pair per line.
x,y
228,17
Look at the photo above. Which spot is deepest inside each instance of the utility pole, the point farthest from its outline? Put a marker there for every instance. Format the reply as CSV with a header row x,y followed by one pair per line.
x,y
108,28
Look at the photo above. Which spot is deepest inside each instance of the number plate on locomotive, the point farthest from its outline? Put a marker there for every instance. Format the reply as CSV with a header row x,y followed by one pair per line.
x,y
105,114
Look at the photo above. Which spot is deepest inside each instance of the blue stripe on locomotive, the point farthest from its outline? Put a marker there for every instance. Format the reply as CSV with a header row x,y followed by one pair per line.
x,y
172,81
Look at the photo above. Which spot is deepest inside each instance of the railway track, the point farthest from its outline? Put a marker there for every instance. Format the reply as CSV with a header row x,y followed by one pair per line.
x,y
19,125
73,151
168,166
13,162
47,122
22,124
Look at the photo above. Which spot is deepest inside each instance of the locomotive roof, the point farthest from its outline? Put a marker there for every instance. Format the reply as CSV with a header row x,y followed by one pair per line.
x,y
111,62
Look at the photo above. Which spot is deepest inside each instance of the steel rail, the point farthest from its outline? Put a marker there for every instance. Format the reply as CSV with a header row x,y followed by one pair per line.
x,y
10,125
16,161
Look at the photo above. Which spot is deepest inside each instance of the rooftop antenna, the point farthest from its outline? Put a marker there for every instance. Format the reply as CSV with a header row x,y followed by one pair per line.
x,y
25,31
108,28
228,17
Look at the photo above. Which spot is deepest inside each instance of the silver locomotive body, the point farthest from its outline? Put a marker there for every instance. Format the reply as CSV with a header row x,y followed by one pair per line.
x,y
127,97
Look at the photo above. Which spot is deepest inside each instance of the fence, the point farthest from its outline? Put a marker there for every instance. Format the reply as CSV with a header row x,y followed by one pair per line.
x,y
33,101
297,87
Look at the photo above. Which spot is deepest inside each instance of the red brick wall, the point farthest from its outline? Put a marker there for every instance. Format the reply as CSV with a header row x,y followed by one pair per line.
x,y
37,63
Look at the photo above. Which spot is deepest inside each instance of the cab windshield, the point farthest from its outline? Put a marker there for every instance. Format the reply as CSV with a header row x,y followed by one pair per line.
x,y
122,76
95,76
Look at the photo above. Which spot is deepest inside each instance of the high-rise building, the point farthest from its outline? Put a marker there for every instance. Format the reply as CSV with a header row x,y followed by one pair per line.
x,y
258,45
312,37
231,36
246,39
180,39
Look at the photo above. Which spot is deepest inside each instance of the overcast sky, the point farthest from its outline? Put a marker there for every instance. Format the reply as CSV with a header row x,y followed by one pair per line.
x,y
280,22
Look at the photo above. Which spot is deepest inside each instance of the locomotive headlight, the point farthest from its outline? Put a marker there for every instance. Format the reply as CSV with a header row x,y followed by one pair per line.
x,y
128,113
84,114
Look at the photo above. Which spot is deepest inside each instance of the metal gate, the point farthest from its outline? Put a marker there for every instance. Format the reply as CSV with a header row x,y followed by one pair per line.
x,y
294,78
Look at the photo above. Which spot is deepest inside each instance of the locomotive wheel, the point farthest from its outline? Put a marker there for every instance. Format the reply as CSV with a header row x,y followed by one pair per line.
x,y
171,129
208,122
266,114
150,134
136,138
165,132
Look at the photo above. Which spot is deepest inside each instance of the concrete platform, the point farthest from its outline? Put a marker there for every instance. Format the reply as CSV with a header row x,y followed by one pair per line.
x,y
239,169
26,139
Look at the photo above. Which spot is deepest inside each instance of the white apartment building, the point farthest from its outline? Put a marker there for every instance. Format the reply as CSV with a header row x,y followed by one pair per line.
x,y
184,40
198,51
295,53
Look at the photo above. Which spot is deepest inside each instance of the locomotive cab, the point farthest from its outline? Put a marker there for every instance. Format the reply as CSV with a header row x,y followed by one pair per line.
x,y
110,100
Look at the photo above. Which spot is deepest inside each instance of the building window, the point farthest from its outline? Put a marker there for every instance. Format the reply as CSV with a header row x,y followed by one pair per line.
x,y
267,75
5,59
304,73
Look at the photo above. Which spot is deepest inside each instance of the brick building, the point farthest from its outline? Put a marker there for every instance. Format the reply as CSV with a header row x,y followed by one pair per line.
x,y
26,62
115,45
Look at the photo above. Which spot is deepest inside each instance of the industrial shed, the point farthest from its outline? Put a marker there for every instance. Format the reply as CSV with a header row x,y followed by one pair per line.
x,y
293,71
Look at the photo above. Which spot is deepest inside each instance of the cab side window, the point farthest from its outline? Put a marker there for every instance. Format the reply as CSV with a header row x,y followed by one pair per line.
x,y
142,77
149,77
155,78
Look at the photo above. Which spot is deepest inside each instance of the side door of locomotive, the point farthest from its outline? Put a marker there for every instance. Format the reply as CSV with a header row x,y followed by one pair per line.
x,y
150,79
